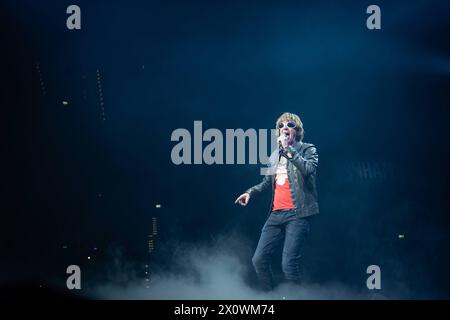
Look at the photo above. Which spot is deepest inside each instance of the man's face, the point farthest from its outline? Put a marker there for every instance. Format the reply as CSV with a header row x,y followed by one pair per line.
x,y
287,128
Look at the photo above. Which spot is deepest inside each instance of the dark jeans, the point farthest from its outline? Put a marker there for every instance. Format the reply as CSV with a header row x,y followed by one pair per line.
x,y
281,225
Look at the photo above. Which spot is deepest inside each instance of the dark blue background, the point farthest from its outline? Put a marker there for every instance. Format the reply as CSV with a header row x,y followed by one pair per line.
x,y
367,98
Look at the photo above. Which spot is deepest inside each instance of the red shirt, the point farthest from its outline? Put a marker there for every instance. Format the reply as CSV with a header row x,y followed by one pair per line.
x,y
282,198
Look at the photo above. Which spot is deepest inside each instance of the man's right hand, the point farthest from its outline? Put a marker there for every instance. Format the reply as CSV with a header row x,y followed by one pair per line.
x,y
243,199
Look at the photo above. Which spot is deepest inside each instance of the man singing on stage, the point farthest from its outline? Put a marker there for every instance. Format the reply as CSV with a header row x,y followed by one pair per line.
x,y
294,201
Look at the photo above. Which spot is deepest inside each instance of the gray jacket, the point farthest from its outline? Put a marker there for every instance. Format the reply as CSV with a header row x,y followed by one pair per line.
x,y
302,169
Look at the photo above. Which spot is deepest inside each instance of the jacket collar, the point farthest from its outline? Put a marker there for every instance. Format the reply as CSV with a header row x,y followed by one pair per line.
x,y
274,157
298,145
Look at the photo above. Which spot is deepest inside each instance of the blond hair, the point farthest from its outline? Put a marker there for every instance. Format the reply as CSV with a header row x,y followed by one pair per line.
x,y
287,116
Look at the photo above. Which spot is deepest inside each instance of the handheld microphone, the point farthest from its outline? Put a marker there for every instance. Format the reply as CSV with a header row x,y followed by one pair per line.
x,y
281,148
286,135
280,145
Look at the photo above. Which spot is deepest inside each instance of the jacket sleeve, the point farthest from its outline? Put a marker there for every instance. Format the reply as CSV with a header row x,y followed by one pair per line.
x,y
307,164
260,186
